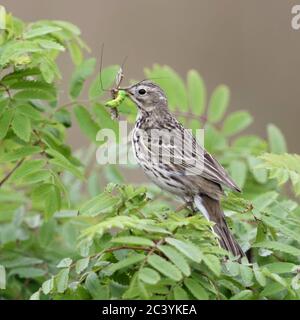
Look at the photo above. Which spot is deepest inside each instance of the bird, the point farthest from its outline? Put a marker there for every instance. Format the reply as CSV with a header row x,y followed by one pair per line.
x,y
172,158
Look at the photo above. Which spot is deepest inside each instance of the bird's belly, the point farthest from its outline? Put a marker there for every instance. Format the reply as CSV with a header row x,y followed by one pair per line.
x,y
157,174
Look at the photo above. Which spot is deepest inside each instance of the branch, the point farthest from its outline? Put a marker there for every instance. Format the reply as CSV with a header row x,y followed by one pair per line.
x,y
127,247
11,172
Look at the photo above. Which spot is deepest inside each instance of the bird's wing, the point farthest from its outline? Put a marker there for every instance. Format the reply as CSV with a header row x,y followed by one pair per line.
x,y
177,151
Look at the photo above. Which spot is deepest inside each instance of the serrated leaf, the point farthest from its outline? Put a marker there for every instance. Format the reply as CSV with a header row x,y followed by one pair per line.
x,y
29,111
236,122
75,52
2,277
102,203
149,276
218,103
26,168
136,258
50,45
34,94
40,31
277,246
21,126
196,289
213,263
94,287
180,294
81,73
62,279
64,263
133,240
243,295
19,153
82,264
280,267
259,276
196,92
61,161
48,286
276,139
164,267
188,249
88,126
238,172
5,121
176,257
27,272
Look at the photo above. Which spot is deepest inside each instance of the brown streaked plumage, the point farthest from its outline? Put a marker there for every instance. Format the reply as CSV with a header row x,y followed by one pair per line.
x,y
172,158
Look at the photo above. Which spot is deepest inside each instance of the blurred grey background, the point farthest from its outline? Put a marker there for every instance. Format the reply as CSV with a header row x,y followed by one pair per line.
x,y
247,44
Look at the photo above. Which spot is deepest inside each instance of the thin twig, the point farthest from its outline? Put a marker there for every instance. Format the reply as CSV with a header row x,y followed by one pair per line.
x,y
127,247
11,172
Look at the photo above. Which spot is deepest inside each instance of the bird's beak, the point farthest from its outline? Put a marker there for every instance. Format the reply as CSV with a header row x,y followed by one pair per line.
x,y
128,90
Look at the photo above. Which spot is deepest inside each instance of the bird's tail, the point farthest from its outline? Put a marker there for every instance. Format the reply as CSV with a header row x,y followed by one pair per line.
x,y
212,211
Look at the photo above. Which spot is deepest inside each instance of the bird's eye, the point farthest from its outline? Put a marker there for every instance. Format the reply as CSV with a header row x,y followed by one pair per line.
x,y
142,91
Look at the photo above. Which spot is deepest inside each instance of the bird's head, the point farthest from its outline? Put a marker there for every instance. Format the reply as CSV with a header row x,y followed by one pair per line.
x,y
147,96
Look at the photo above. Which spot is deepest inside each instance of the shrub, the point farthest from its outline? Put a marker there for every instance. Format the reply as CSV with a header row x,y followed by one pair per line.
x,y
64,235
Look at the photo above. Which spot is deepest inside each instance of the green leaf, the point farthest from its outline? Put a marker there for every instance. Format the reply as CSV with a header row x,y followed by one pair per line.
x,y
2,277
218,103
35,295
196,289
246,275
48,286
40,31
82,264
34,94
260,174
236,122
26,168
174,256
50,45
81,73
243,295
213,263
49,196
21,126
19,153
188,249
136,258
149,276
197,92
238,172
62,279
2,18
259,276
94,287
180,294
75,52
62,162
5,121
280,267
29,111
64,263
164,267
108,77
64,117
88,126
278,246
276,139
133,240
100,204
28,272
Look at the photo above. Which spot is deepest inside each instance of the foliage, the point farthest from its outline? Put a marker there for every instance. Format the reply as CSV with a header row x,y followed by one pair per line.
x,y
64,235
